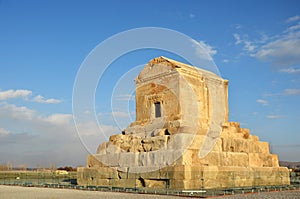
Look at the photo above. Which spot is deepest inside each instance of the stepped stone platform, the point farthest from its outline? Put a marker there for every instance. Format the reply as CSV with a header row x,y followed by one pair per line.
x,y
182,138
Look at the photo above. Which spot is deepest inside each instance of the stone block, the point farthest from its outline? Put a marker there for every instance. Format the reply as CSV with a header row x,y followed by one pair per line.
x,y
93,161
263,147
245,132
236,145
234,159
212,158
102,182
136,145
260,160
128,159
111,148
111,159
157,183
136,172
180,141
197,141
275,161
101,150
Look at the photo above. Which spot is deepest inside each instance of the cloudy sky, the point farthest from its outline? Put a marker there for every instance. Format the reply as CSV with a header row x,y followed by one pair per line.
x,y
255,45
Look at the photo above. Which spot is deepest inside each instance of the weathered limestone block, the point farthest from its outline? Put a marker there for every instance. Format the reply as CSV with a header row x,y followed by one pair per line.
x,y
259,147
128,159
231,127
275,161
111,148
155,183
103,182
182,184
180,172
180,141
235,145
93,161
135,129
151,175
138,171
218,145
260,160
124,183
210,175
111,159
187,157
197,141
254,137
136,145
233,130
263,147
234,159
245,132
213,158
102,148
173,126
155,143
106,173
159,142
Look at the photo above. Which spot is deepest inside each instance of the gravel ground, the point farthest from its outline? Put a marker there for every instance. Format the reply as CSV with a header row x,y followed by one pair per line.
x,y
12,192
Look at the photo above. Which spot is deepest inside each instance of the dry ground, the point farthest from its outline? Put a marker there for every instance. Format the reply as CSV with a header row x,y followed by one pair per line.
x,y
11,192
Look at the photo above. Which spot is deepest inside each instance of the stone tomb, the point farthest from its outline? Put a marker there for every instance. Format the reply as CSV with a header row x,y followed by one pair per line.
x,y
181,138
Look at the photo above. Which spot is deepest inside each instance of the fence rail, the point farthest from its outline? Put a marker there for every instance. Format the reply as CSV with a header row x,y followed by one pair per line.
x,y
68,181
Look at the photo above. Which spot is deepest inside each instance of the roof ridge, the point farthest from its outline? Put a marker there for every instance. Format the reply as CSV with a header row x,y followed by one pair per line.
x,y
181,65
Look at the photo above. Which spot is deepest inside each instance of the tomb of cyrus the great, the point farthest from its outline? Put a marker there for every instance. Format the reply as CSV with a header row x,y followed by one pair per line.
x,y
182,138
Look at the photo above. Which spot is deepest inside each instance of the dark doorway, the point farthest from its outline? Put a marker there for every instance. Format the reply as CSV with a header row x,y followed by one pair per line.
x,y
157,109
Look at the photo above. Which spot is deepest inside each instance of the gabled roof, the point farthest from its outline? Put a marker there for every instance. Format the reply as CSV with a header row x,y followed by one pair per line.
x,y
182,66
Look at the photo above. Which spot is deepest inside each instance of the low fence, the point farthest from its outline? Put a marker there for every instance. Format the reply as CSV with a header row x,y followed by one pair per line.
x,y
68,181
37,178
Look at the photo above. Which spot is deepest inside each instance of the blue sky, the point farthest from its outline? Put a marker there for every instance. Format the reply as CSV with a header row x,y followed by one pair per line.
x,y
255,44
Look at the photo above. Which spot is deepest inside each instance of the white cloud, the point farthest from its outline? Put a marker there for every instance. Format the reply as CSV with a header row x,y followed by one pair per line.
x,y
4,95
41,99
4,132
292,19
58,118
225,60
237,38
290,70
291,92
209,49
20,93
293,28
262,102
42,139
204,50
274,116
14,112
248,46
283,52
285,92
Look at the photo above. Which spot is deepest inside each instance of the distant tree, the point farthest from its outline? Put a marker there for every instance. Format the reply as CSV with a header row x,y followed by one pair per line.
x,y
297,170
22,167
67,168
6,167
